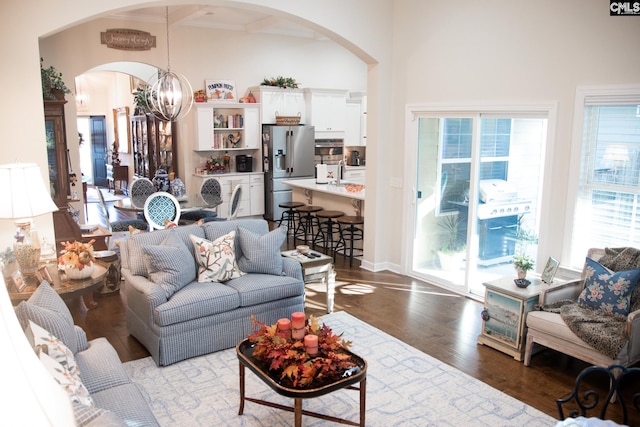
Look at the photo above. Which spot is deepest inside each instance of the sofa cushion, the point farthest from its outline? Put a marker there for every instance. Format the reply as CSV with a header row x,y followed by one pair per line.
x,y
135,243
216,259
215,229
70,383
608,291
128,403
196,300
100,366
42,340
258,288
47,309
168,264
87,416
261,253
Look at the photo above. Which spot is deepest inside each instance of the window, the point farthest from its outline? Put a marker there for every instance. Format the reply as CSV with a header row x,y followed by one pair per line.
x,y
607,209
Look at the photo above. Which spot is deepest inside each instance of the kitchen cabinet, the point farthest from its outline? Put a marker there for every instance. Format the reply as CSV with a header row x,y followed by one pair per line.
x,y
56,139
355,175
154,145
227,127
278,101
326,111
356,121
252,198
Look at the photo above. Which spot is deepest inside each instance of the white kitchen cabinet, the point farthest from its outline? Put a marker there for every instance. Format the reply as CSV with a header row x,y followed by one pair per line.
x,y
356,175
356,118
278,101
326,110
256,194
252,197
227,126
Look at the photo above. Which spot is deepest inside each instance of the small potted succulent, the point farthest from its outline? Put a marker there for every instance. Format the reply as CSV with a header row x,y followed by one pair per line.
x,y
523,263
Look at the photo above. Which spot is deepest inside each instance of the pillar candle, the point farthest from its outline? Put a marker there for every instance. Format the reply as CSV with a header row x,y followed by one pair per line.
x,y
297,325
284,326
311,344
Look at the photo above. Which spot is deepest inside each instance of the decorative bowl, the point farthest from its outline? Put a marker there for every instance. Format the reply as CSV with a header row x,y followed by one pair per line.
x,y
303,249
354,188
522,283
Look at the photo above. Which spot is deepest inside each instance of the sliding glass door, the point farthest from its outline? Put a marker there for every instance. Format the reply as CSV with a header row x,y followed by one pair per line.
x,y
478,186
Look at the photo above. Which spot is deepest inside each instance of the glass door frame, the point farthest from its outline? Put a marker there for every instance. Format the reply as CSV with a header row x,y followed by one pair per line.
x,y
413,113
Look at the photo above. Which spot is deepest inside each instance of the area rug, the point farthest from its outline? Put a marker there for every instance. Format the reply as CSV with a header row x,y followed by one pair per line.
x,y
405,387
92,196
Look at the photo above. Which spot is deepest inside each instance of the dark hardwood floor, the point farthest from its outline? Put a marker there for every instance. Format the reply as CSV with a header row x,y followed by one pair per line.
x,y
439,323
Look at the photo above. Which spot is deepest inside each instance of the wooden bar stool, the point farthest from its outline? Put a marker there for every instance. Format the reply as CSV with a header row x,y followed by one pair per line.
x,y
307,221
290,217
326,228
349,232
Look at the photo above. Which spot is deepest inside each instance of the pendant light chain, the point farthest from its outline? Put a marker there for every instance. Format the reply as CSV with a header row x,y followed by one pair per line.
x,y
168,50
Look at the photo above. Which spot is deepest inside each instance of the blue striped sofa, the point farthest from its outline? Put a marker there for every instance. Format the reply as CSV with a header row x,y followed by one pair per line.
x,y
201,318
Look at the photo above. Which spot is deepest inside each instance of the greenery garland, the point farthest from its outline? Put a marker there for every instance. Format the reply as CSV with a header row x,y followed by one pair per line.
x,y
284,82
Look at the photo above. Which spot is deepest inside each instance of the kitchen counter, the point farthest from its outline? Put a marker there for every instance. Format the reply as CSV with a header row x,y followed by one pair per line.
x,y
310,184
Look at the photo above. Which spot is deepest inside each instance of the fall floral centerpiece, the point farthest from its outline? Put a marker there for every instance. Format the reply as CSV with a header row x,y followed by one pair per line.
x,y
77,259
297,364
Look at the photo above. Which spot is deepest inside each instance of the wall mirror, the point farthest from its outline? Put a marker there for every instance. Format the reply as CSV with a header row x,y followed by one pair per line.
x,y
122,129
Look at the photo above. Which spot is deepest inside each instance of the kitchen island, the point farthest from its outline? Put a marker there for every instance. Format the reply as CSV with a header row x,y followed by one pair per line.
x,y
308,192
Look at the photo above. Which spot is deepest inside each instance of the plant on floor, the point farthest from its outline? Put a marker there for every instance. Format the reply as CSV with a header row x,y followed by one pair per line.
x,y
287,356
451,242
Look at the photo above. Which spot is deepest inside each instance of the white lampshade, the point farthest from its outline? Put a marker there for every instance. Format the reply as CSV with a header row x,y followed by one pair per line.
x,y
23,192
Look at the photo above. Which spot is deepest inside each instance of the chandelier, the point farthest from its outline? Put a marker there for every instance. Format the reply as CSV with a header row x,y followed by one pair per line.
x,y
171,96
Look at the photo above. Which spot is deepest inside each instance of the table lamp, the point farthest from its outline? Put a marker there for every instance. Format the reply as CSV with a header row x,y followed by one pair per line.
x,y
23,196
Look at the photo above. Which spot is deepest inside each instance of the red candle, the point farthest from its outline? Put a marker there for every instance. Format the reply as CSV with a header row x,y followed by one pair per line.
x,y
297,325
284,325
311,344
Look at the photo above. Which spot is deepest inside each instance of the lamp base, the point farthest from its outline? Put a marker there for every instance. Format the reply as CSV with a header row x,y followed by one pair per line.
x,y
27,257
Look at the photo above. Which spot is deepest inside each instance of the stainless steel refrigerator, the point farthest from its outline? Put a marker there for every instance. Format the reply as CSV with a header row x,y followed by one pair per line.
x,y
288,153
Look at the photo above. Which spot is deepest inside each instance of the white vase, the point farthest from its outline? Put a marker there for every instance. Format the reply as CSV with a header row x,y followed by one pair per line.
x,y
74,273
521,273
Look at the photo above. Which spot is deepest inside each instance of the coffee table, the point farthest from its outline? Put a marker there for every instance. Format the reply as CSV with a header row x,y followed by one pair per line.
x,y
312,268
244,350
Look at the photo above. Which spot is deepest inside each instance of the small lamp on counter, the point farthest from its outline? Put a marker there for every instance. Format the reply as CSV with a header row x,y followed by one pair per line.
x,y
24,196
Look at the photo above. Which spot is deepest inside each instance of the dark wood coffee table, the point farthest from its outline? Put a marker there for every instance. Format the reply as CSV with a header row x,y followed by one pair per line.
x,y
244,350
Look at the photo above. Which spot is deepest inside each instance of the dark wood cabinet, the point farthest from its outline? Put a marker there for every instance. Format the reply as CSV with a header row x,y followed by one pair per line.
x,y
57,157
154,145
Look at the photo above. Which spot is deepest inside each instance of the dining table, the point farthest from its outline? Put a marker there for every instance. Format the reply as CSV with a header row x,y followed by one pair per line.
x,y
189,202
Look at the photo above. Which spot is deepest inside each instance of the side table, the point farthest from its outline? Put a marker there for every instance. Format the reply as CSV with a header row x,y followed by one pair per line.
x,y
312,268
506,307
66,288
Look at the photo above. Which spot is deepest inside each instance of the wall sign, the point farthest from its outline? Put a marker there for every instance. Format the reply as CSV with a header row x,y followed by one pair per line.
x,y
123,39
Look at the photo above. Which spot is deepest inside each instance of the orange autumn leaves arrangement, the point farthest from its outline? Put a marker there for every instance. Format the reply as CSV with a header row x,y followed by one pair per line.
x,y
282,354
77,254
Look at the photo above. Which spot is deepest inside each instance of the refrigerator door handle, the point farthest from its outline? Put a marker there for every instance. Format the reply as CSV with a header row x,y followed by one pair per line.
x,y
292,151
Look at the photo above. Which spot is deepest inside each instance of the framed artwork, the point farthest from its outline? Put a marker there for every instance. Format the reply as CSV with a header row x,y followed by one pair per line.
x,y
122,129
136,83
18,281
549,270
220,90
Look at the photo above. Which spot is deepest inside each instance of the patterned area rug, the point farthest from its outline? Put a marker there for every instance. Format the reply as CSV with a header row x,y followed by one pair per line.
x,y
405,387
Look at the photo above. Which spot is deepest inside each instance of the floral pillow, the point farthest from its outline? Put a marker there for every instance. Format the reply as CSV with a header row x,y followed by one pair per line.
x,y
606,290
43,341
77,392
217,259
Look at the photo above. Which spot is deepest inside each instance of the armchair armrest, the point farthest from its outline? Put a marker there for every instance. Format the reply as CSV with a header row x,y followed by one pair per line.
x,y
569,290
633,331
292,268
142,296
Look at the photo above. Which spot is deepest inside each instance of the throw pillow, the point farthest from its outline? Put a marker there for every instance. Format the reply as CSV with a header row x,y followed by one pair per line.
x,y
606,290
47,309
169,264
261,253
133,231
42,340
77,392
217,259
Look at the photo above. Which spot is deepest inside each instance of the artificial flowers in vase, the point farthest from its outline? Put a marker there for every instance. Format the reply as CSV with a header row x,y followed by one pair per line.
x,y
77,259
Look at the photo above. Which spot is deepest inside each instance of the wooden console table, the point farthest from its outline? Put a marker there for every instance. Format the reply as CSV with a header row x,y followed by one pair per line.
x,y
116,174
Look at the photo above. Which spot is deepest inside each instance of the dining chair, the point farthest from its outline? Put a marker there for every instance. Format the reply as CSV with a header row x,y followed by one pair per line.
x,y
159,207
119,225
211,192
140,190
235,202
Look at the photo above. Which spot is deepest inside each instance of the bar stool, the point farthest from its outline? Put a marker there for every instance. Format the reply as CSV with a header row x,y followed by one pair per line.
x,y
349,232
289,217
326,228
307,221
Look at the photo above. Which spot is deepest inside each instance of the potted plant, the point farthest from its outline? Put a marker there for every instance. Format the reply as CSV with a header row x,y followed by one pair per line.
x,y
53,87
451,251
140,99
523,263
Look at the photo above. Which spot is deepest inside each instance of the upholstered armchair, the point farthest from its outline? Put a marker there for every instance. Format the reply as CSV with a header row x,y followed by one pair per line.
x,y
547,327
